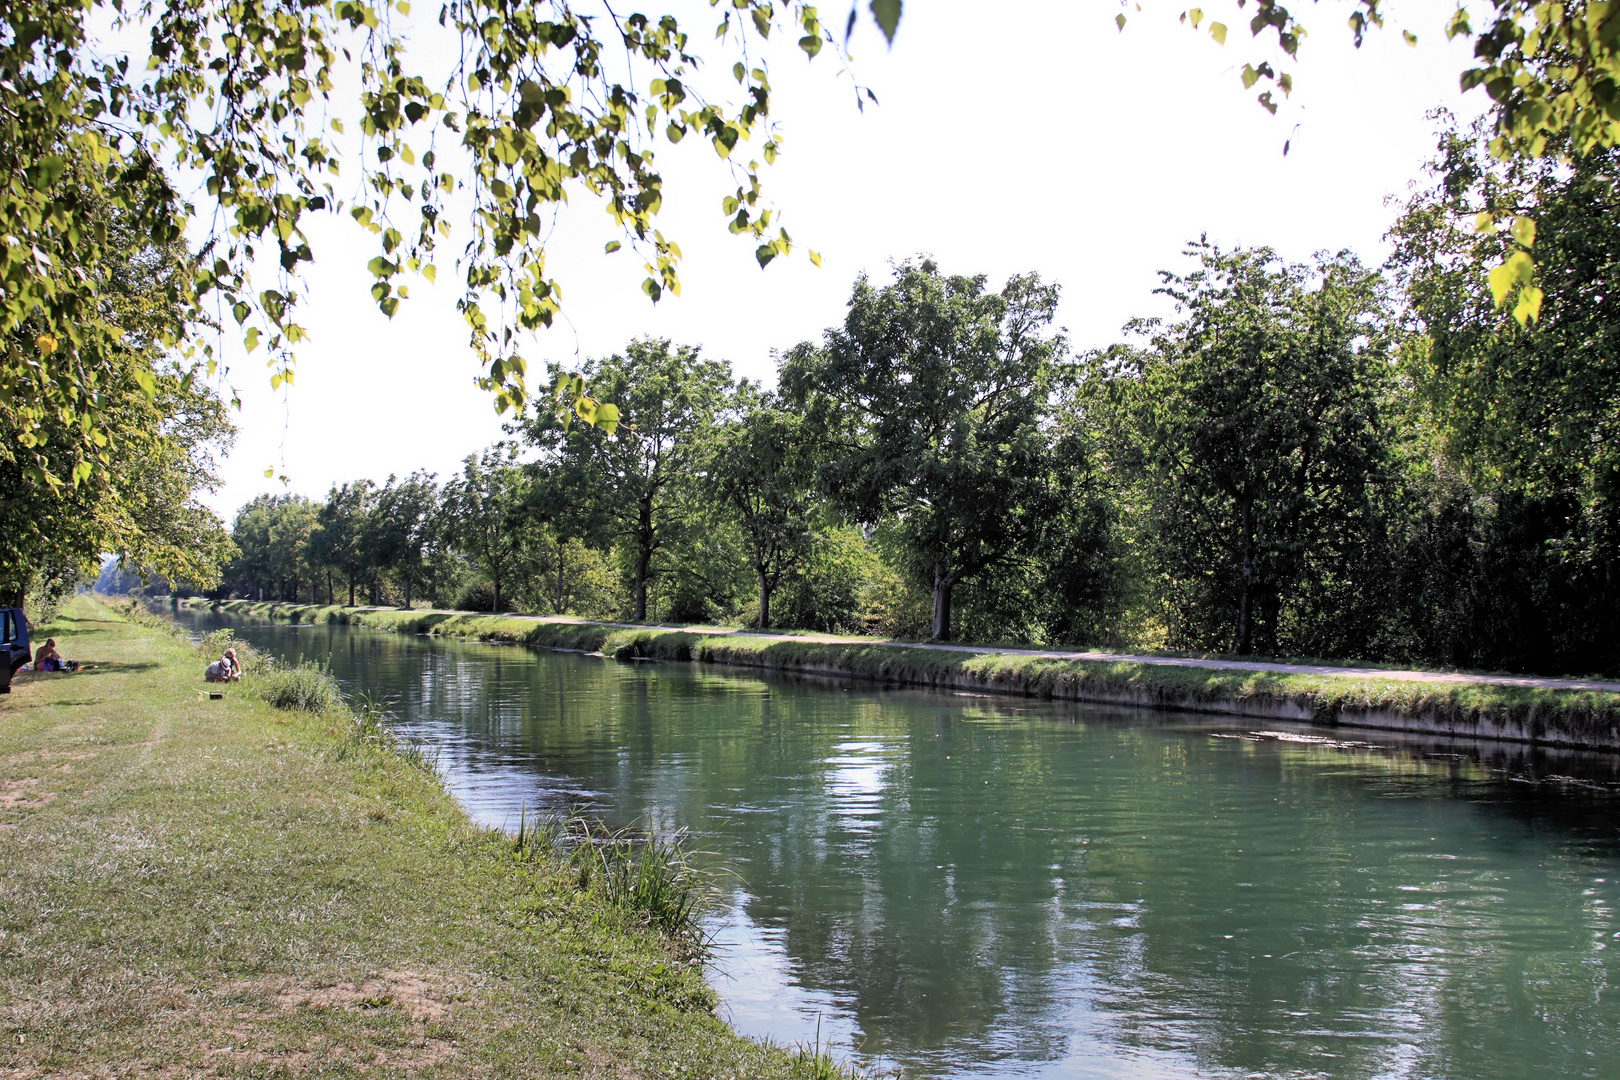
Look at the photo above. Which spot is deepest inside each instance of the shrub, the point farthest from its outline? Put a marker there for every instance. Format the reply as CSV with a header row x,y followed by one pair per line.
x,y
481,597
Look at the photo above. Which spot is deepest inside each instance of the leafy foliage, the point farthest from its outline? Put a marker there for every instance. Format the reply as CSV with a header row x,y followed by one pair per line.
x,y
930,399
1294,463
761,469
153,434
1260,432
540,101
638,477
484,514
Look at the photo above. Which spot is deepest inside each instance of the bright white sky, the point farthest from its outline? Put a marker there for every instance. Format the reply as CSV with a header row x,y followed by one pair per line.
x,y
1023,135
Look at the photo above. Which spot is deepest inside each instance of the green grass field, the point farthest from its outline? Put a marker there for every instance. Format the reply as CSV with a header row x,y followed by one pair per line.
x,y
220,888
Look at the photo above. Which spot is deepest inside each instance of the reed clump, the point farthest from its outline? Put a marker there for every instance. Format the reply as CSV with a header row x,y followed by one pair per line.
x,y
306,687
650,876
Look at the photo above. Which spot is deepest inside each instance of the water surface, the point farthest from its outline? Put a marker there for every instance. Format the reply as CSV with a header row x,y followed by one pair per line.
x,y
947,885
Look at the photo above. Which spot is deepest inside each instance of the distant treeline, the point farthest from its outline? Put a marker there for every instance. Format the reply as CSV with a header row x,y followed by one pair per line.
x,y
1318,459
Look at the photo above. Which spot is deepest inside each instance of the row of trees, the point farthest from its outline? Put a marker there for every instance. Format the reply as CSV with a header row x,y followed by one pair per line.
x,y
1308,459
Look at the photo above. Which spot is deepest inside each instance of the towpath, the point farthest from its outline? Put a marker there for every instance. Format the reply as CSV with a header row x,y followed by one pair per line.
x,y
1347,672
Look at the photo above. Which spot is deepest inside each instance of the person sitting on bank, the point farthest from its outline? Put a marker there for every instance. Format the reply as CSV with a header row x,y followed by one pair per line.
x,y
225,669
48,659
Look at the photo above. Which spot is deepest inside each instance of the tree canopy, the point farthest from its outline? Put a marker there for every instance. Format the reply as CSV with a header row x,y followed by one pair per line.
x,y
1258,414
932,394
542,101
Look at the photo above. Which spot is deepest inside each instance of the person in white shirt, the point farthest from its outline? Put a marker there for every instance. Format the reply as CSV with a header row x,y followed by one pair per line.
x,y
225,669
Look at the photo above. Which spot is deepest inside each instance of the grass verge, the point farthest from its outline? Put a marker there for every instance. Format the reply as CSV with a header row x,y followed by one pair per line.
x,y
1552,717
220,887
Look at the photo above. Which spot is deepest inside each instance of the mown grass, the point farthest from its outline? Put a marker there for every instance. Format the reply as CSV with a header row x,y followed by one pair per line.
x,y
220,887
1565,717
1543,715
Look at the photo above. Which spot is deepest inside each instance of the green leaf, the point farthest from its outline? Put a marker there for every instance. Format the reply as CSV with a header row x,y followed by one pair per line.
x,y
250,340
1524,230
1218,32
887,14
1119,21
607,417
1517,269
1196,15
815,259
1411,38
1528,309
611,246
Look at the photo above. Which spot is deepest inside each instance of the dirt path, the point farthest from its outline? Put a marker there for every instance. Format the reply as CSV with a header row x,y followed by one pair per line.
x,y
1390,674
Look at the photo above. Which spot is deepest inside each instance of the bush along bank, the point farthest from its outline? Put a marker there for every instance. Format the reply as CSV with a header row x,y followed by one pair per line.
x,y
1584,719
310,897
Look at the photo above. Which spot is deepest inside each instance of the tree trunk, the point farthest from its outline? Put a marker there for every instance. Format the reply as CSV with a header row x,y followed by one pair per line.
x,y
942,603
644,550
764,599
1245,632
557,603
407,594
495,604
331,597
643,559
351,592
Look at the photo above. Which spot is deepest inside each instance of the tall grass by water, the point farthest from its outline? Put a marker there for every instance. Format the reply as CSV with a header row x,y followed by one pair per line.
x,y
640,872
308,687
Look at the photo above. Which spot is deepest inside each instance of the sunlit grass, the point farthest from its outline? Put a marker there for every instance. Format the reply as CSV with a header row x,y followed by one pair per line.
x,y
218,886
1551,716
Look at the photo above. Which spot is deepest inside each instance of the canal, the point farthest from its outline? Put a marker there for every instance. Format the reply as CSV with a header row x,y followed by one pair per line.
x,y
957,886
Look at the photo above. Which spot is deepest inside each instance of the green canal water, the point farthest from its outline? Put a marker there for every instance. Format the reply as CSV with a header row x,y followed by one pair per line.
x,y
943,885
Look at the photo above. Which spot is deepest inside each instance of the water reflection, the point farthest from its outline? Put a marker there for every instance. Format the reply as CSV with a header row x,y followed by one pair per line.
x,y
956,885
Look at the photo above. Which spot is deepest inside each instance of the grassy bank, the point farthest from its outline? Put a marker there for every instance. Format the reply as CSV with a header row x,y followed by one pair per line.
x,y
1553,717
220,887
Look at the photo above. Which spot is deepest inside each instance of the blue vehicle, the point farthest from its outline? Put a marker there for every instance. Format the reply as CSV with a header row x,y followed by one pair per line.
x,y
14,650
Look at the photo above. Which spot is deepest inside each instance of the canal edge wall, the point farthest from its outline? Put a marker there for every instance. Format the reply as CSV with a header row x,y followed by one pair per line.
x,y
1572,719
1363,704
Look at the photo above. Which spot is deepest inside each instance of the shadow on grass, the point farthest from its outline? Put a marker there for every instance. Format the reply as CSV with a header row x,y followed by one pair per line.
x,y
66,625
92,667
